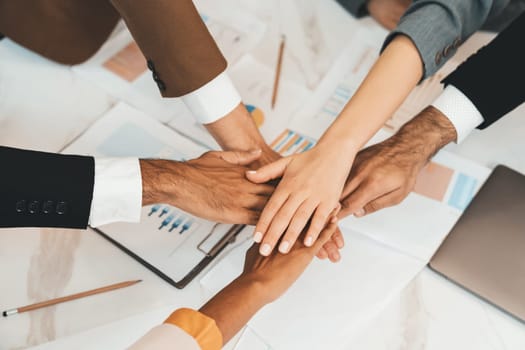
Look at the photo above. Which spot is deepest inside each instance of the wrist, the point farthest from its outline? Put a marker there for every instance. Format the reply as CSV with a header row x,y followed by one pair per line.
x,y
237,131
429,131
340,144
154,181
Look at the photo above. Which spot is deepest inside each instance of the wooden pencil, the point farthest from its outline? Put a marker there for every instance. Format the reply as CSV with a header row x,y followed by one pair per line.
x,y
68,298
278,70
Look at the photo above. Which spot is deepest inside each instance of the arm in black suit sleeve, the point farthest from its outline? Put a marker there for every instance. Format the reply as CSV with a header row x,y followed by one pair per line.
x,y
493,79
40,189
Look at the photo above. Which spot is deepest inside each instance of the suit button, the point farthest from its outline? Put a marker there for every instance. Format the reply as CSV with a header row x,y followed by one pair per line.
x,y
447,50
48,207
456,43
151,66
61,208
438,58
33,207
21,206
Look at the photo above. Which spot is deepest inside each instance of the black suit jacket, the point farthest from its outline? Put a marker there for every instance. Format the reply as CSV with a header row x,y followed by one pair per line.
x,y
40,189
493,79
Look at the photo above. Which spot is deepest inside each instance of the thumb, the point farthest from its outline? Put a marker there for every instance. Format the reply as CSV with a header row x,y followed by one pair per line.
x,y
240,157
268,172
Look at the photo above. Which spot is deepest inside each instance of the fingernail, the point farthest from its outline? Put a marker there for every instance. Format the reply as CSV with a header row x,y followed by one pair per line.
x,y
339,242
257,238
334,219
359,213
251,172
283,248
265,249
308,241
256,151
335,256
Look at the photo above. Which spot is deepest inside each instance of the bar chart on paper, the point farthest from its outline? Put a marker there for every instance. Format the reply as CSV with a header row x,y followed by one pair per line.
x,y
291,142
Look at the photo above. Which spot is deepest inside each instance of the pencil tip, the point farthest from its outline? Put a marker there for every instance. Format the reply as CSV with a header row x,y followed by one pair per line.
x,y
4,313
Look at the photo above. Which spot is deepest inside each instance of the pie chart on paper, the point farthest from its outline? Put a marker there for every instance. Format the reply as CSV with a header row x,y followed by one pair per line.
x,y
257,115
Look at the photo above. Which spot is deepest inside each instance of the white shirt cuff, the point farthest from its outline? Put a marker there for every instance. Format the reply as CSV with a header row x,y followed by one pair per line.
x,y
213,100
461,112
117,192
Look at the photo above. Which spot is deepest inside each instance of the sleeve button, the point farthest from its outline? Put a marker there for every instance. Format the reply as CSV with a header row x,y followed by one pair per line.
x,y
61,208
33,207
48,207
21,206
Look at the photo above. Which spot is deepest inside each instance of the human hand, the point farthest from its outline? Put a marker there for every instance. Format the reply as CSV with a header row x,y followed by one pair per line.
x,y
388,12
331,248
385,173
212,186
263,280
310,189
277,272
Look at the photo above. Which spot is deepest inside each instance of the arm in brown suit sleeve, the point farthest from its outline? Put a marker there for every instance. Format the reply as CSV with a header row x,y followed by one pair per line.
x,y
180,51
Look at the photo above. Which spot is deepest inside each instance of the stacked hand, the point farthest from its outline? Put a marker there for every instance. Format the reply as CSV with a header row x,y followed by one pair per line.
x,y
384,174
309,190
212,186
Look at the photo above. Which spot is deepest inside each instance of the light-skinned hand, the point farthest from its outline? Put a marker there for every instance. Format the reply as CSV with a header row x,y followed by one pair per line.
x,y
310,187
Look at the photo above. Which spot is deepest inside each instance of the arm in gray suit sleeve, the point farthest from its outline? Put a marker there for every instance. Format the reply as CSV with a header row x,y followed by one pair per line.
x,y
438,27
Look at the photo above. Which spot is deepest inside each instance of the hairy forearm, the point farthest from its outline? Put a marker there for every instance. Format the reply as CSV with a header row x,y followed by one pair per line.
x,y
389,82
153,173
233,306
426,134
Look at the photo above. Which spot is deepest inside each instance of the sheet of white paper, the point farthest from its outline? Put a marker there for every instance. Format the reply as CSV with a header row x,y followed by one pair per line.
x,y
331,299
250,340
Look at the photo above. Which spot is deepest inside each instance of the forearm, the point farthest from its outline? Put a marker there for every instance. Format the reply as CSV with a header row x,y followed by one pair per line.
x,y
426,134
233,306
153,172
237,131
393,76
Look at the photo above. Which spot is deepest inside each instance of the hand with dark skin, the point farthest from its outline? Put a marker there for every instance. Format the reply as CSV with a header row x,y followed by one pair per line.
x,y
388,12
263,280
212,186
385,173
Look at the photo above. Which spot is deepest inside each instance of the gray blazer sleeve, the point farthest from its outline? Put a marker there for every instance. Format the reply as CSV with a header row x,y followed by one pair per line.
x,y
438,27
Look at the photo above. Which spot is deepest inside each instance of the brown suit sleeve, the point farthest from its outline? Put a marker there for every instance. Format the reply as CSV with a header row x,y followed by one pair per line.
x,y
180,51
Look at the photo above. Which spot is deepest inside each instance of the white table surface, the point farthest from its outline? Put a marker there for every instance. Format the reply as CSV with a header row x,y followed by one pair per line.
x,y
44,106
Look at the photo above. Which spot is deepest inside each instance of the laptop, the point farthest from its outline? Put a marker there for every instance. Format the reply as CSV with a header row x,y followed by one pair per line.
x,y
485,252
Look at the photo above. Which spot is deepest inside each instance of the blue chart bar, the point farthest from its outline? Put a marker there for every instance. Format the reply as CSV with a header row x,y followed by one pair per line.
x,y
177,223
166,221
463,191
154,209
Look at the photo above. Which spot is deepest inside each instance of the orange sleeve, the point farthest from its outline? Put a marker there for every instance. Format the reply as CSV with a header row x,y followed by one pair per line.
x,y
199,326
